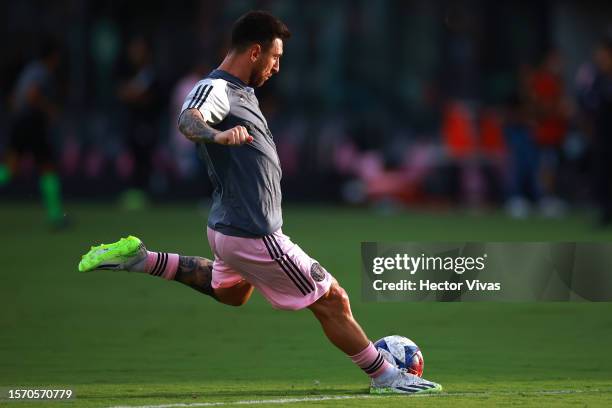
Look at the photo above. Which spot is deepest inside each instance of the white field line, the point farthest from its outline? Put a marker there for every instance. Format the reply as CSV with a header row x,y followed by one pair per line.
x,y
252,402
347,397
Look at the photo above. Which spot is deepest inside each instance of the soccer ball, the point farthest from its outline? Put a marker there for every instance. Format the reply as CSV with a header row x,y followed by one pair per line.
x,y
402,353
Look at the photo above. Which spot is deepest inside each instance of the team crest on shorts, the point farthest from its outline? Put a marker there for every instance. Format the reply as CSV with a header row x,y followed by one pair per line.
x,y
317,272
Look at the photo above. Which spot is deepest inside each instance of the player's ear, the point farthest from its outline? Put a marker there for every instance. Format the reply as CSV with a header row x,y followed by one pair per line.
x,y
254,52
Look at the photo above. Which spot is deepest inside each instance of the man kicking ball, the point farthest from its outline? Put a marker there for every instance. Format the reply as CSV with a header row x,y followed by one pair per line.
x,y
221,116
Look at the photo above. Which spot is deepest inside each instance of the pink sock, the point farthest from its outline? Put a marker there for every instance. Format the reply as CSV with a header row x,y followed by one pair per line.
x,y
161,264
371,361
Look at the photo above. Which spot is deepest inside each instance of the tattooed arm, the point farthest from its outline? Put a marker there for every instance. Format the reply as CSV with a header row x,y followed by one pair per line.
x,y
194,127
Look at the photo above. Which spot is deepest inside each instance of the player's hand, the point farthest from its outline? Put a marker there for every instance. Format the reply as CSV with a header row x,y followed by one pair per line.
x,y
233,137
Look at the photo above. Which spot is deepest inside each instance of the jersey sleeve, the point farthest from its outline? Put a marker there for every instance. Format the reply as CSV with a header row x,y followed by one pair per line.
x,y
210,98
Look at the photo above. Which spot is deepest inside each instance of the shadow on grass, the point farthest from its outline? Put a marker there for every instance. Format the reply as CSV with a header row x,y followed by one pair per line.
x,y
246,394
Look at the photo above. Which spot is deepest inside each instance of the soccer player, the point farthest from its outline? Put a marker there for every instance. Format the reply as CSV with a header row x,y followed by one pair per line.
x,y
221,116
34,109
140,96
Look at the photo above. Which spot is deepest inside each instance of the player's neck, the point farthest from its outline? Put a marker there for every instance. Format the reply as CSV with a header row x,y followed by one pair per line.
x,y
234,65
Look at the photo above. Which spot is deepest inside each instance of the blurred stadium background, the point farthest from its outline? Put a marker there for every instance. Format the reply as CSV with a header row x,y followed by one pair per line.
x,y
395,121
393,103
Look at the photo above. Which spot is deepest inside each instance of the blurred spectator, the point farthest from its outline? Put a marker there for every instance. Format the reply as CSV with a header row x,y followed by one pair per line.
x,y
461,140
34,109
412,126
550,112
105,48
597,99
522,177
140,93
493,152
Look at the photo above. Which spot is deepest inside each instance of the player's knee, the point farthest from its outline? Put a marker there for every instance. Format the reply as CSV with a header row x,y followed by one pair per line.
x,y
341,298
236,295
236,301
335,304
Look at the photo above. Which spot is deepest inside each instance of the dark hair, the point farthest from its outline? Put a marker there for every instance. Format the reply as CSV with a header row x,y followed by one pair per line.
x,y
257,27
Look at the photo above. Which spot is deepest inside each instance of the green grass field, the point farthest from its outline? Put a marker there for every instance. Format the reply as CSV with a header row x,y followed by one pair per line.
x,y
134,340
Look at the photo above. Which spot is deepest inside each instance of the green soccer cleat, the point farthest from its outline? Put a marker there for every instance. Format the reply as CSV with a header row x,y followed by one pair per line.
x,y
406,383
120,255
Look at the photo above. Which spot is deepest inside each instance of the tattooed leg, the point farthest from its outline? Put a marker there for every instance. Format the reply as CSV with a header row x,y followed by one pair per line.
x,y
196,272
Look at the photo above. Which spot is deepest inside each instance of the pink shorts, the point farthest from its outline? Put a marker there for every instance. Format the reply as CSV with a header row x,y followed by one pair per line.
x,y
278,268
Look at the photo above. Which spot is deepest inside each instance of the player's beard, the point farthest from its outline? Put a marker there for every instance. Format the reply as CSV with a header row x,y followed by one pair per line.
x,y
257,78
